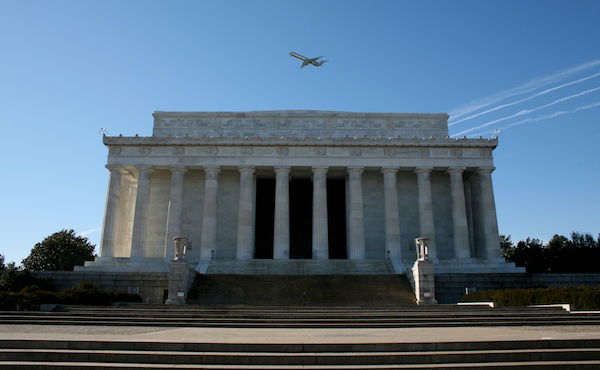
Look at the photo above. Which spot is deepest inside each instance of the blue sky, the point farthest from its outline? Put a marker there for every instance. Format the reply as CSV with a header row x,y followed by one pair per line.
x,y
68,68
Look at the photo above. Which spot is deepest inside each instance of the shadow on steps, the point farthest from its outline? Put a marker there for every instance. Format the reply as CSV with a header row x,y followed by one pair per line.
x,y
302,290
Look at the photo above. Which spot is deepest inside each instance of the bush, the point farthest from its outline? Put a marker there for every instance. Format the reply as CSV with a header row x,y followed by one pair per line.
x,y
84,293
582,297
14,279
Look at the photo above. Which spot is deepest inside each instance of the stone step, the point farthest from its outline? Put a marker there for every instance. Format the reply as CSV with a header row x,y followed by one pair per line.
x,y
297,316
381,290
532,365
299,267
103,345
299,358
287,324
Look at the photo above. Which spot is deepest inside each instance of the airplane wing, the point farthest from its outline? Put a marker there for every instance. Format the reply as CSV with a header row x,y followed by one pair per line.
x,y
297,56
317,58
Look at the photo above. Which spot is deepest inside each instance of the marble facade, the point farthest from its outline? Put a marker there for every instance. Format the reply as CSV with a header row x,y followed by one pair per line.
x,y
196,177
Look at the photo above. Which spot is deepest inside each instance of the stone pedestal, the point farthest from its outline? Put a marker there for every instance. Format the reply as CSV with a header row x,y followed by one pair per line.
x,y
423,274
181,277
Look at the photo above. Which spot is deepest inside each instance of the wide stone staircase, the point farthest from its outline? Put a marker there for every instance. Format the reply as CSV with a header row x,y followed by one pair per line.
x,y
302,317
299,267
469,353
512,354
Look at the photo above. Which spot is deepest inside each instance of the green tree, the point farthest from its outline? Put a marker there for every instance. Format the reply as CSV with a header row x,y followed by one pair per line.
x,y
14,279
507,247
2,265
60,251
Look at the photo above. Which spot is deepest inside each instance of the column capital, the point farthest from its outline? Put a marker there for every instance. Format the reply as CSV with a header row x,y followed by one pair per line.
x,y
319,169
114,168
178,169
144,169
212,169
419,170
456,170
485,170
355,170
393,170
282,169
246,169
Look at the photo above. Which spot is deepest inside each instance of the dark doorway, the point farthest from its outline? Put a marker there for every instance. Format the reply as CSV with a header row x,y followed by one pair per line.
x,y
301,218
265,218
336,218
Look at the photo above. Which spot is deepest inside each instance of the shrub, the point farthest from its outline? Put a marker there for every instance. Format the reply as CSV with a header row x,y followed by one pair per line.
x,y
582,297
14,279
84,293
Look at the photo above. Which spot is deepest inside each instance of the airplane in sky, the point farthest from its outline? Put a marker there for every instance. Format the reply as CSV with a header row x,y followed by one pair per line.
x,y
306,61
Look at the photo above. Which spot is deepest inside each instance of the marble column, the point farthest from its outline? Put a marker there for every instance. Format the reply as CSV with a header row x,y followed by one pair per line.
x,y
488,215
320,232
356,245
281,235
208,241
140,215
470,223
245,231
426,223
175,209
392,218
111,213
459,214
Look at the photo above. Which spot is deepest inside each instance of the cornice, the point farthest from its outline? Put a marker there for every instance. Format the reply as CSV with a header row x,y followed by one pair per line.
x,y
291,141
297,114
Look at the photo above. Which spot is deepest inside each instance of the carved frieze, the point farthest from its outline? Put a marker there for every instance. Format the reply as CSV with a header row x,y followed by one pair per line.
x,y
282,151
246,150
356,152
389,152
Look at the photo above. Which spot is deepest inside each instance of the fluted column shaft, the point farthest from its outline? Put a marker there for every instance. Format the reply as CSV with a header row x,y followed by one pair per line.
x,y
392,218
320,232
208,241
356,246
281,237
140,216
488,214
111,213
426,223
245,232
459,214
175,209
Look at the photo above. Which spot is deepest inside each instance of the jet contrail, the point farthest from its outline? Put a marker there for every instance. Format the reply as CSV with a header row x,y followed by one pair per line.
x,y
525,99
548,116
526,111
90,231
522,89
552,115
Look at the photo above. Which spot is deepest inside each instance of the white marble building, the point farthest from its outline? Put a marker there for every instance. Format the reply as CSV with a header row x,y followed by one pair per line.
x,y
311,185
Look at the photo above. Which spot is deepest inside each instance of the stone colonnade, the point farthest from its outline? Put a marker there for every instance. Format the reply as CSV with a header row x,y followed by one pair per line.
x,y
281,240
